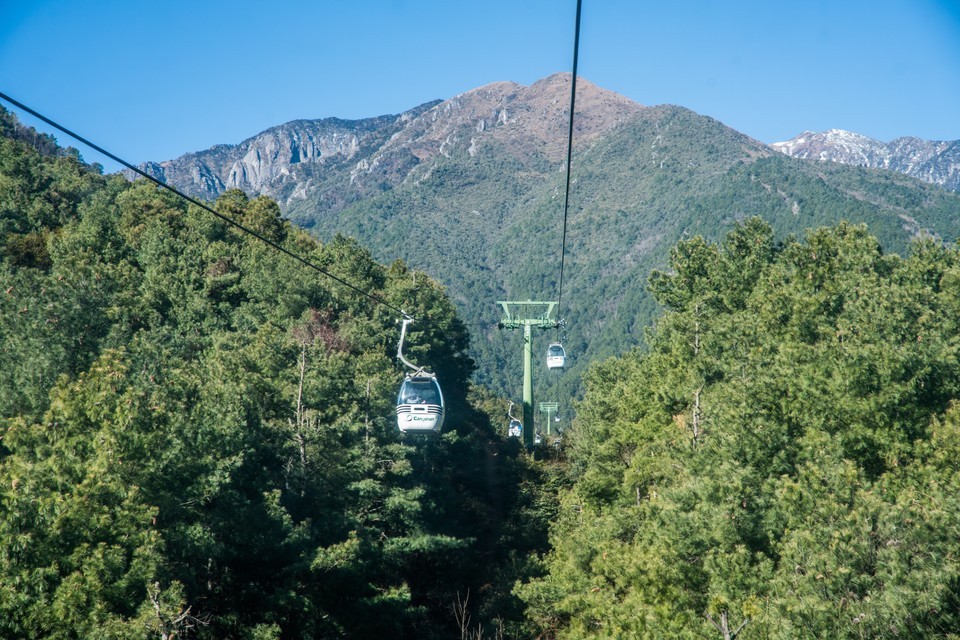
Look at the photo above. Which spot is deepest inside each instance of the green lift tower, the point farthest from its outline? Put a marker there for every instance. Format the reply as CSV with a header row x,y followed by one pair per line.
x,y
527,315
549,408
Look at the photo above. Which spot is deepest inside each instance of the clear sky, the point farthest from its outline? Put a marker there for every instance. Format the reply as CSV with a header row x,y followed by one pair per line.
x,y
154,80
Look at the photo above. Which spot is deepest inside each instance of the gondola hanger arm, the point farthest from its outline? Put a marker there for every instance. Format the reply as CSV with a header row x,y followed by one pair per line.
x,y
403,334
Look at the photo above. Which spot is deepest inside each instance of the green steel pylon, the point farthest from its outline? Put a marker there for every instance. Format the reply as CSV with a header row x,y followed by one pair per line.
x,y
549,408
527,314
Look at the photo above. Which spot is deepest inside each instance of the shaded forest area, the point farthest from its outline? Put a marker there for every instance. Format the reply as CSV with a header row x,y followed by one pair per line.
x,y
198,439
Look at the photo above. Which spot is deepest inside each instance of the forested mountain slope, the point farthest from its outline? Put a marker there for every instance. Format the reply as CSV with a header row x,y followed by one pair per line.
x,y
471,191
489,225
198,433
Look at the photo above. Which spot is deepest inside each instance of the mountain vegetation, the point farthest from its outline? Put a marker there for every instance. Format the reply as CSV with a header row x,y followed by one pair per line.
x,y
489,227
781,462
198,435
471,191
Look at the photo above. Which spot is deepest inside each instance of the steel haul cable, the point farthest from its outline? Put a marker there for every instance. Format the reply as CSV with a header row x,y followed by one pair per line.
x,y
566,196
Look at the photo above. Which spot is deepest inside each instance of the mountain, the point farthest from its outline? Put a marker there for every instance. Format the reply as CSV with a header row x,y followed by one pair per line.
x,y
471,191
340,161
283,162
935,162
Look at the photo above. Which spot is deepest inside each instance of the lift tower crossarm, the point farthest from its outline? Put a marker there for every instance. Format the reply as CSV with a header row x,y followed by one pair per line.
x,y
517,314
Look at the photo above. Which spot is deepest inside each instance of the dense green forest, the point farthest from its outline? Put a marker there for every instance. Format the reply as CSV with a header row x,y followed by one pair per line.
x,y
198,437
781,462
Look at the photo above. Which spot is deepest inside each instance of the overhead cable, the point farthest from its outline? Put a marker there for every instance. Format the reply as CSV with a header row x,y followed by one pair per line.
x,y
566,196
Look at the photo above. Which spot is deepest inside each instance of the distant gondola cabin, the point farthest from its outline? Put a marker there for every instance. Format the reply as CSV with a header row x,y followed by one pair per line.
x,y
556,356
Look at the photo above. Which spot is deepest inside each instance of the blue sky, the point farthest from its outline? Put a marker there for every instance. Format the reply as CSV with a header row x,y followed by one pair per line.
x,y
151,81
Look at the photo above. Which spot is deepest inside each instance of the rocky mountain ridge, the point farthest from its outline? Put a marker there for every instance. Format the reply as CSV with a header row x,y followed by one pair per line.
x,y
337,162
936,162
282,162
346,160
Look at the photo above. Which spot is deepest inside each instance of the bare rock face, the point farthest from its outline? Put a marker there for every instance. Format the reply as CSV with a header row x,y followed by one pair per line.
x,y
935,162
280,161
346,159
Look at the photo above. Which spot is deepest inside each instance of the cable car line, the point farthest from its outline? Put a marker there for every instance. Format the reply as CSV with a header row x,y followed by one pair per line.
x,y
519,314
566,196
420,404
205,207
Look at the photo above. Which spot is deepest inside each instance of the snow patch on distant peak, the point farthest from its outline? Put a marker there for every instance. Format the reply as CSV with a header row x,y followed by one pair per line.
x,y
937,162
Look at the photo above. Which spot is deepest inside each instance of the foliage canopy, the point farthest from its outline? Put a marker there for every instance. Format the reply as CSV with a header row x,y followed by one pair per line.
x,y
198,434
781,463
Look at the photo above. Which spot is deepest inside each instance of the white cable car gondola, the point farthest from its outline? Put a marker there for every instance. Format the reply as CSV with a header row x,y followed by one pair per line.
x,y
420,406
556,356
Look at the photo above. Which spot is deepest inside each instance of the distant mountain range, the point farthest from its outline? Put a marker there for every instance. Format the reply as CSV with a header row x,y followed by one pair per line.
x,y
470,190
290,161
931,161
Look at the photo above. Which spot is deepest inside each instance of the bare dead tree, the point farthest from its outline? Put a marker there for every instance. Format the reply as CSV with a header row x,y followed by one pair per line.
x,y
501,630
299,424
173,626
696,424
462,615
316,328
724,626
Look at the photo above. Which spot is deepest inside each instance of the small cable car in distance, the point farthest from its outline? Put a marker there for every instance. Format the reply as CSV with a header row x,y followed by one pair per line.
x,y
515,428
420,407
556,356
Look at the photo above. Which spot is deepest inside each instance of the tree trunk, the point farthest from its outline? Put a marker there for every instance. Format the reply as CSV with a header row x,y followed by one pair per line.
x,y
724,626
